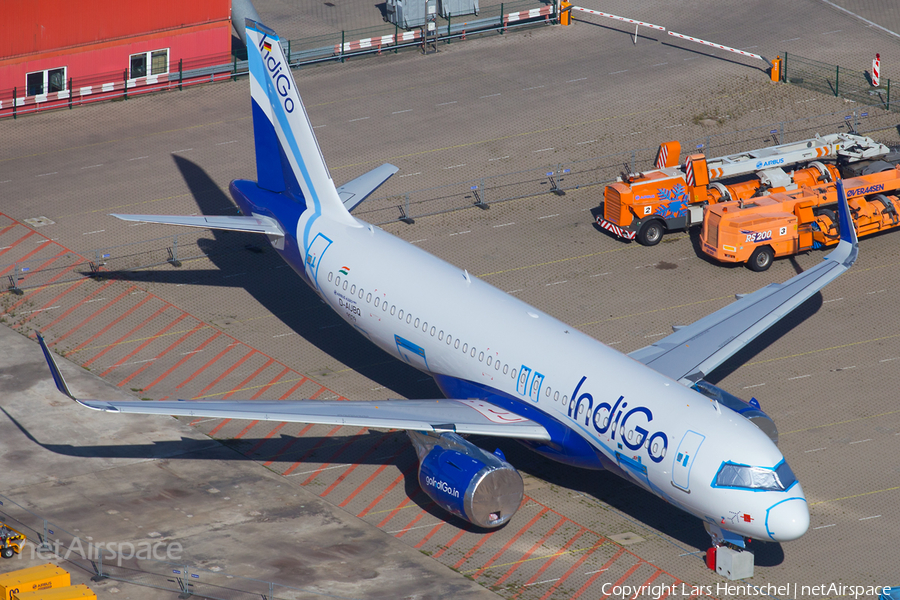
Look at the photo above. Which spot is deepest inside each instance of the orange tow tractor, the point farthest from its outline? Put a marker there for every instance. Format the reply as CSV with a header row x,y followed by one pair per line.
x,y
11,541
787,223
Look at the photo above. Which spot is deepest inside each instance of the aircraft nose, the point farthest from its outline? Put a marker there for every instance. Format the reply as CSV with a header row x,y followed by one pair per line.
x,y
788,519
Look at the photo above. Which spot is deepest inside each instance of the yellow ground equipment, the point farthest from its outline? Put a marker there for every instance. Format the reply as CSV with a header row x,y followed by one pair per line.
x,y
644,206
42,577
786,223
11,541
72,592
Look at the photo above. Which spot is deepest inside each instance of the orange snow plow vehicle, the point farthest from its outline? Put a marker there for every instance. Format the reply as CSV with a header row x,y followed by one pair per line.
x,y
782,224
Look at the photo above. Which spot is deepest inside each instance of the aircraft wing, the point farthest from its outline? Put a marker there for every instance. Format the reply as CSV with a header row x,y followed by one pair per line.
x,y
354,192
460,416
254,224
692,352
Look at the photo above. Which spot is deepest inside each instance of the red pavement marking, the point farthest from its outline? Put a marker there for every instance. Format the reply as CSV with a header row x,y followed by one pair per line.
x,y
450,543
429,534
24,258
652,577
390,486
125,337
580,562
290,443
144,344
312,450
17,242
221,376
303,380
357,463
410,524
184,358
110,325
368,481
404,503
246,429
196,328
41,288
511,541
474,549
263,441
266,387
211,361
90,318
76,305
8,228
353,439
248,380
43,266
531,551
551,559
618,582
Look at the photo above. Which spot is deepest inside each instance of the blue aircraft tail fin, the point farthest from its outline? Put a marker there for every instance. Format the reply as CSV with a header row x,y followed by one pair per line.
x,y
288,157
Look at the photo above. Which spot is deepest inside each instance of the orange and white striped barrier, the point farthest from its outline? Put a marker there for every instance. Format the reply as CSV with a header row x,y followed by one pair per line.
x,y
544,11
623,19
377,42
714,45
876,70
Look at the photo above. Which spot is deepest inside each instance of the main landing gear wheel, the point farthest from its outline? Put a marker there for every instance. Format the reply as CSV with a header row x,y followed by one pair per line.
x,y
761,259
650,233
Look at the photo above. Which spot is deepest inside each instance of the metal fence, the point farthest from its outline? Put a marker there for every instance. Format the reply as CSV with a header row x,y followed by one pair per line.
x,y
837,81
301,51
133,562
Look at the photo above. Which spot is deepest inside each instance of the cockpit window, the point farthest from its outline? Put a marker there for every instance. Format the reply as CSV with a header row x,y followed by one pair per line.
x,y
755,478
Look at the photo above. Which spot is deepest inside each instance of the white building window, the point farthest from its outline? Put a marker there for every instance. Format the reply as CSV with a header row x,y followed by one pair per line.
x,y
45,82
155,62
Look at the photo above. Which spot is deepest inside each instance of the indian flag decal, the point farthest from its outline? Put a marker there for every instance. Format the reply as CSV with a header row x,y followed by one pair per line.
x,y
344,270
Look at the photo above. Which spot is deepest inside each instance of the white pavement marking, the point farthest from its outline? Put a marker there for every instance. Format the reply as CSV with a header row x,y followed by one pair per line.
x,y
6,181
504,225
235,275
455,166
843,369
824,526
283,334
747,387
543,149
537,87
498,158
461,232
411,174
871,24
92,232
557,282
137,362
601,570
359,119
182,150
830,32
660,65
654,335
93,166
295,473
411,528
94,300
798,377
397,112
540,582
861,441
548,216
599,274
889,359
317,126
833,300
587,142
672,126
417,241
186,353
488,96
876,292
872,517
814,450
138,158
790,40
446,103
47,174
617,72
223,143
574,80
514,291
329,326
38,310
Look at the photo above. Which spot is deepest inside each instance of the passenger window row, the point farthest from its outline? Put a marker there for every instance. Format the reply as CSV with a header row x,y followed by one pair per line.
x,y
344,284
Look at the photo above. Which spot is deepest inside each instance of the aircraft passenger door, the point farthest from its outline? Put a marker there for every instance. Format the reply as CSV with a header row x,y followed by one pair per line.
x,y
535,388
522,382
314,256
684,459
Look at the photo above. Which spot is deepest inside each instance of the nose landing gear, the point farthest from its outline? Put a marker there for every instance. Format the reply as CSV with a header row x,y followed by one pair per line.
x,y
728,555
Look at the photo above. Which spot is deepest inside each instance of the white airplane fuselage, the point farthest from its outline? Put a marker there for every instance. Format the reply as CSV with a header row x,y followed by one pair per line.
x,y
603,409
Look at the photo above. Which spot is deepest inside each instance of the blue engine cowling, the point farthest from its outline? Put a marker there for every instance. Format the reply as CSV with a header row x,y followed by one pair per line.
x,y
465,480
749,410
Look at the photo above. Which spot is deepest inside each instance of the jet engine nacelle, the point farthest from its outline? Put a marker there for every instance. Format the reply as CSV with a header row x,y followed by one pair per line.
x,y
749,410
465,480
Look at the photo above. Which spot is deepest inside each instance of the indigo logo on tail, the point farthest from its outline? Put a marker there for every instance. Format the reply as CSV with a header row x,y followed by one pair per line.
x,y
281,79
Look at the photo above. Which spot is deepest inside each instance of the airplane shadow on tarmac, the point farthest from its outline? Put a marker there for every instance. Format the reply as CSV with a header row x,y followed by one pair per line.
x,y
244,260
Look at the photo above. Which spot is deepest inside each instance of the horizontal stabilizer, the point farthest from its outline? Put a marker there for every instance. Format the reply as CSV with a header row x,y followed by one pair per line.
x,y
354,192
254,224
460,416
